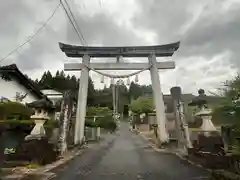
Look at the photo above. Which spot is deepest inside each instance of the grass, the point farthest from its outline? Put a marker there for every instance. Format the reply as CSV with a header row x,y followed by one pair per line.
x,y
48,123
199,129
33,166
16,121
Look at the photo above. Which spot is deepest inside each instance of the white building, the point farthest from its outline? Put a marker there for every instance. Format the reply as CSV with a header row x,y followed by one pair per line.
x,y
53,95
14,84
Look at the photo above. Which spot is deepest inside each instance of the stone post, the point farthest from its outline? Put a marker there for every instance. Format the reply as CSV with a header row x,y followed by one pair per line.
x,y
158,100
182,126
176,95
65,119
82,102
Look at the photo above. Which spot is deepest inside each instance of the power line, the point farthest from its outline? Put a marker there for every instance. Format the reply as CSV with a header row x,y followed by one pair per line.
x,y
73,22
33,36
74,19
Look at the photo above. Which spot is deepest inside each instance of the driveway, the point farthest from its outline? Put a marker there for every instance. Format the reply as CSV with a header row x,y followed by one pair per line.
x,y
127,156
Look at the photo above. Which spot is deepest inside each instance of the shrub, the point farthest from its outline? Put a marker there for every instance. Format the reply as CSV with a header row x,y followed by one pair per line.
x,y
105,122
98,111
35,151
142,105
26,125
14,110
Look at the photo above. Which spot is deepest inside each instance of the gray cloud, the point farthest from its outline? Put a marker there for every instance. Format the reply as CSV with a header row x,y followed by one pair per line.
x,y
14,14
97,29
208,33
19,24
163,17
101,28
214,35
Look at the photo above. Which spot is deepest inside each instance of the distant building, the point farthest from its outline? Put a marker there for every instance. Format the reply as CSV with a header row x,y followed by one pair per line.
x,y
15,86
53,95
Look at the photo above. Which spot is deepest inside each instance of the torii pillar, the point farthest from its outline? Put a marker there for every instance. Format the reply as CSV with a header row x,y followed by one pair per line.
x,y
158,99
82,101
134,51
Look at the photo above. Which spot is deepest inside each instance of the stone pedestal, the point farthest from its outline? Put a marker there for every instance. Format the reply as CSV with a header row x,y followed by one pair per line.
x,y
40,117
207,125
38,131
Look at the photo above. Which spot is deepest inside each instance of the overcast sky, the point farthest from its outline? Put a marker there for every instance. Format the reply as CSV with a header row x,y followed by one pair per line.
x,y
209,31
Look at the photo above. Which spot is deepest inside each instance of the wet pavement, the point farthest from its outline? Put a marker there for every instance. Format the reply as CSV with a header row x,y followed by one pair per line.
x,y
127,156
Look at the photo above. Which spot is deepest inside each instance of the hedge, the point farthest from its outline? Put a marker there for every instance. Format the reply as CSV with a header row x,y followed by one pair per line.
x,y
142,105
26,125
14,110
99,111
104,122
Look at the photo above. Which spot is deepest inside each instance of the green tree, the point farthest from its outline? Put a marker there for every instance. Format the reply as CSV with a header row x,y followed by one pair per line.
x,y
142,105
228,111
91,93
134,91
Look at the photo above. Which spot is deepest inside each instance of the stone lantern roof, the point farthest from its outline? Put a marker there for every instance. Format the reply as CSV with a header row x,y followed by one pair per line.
x,y
200,100
41,104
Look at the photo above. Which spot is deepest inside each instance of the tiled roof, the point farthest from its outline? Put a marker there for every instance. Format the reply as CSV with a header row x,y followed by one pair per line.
x,y
13,70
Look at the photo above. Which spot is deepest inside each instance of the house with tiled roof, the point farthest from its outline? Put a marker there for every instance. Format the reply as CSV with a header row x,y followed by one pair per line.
x,y
15,86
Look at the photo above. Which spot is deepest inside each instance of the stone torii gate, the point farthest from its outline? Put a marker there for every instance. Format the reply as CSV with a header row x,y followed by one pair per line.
x,y
86,52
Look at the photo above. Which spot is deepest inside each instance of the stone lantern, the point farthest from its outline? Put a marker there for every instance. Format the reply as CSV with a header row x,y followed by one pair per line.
x,y
205,112
43,110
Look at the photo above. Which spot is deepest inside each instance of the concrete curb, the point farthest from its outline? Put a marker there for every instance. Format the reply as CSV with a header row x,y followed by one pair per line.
x,y
165,151
64,160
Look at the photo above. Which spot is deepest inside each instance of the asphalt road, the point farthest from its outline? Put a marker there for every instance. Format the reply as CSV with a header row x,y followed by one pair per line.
x,y
127,156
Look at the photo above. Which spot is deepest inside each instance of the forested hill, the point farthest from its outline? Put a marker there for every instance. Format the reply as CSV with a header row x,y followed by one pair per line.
x,y
62,82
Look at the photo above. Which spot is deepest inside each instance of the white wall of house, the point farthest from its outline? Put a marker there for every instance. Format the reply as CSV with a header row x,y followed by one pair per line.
x,y
8,89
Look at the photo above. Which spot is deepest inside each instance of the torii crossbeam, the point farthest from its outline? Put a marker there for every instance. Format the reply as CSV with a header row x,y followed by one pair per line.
x,y
86,52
